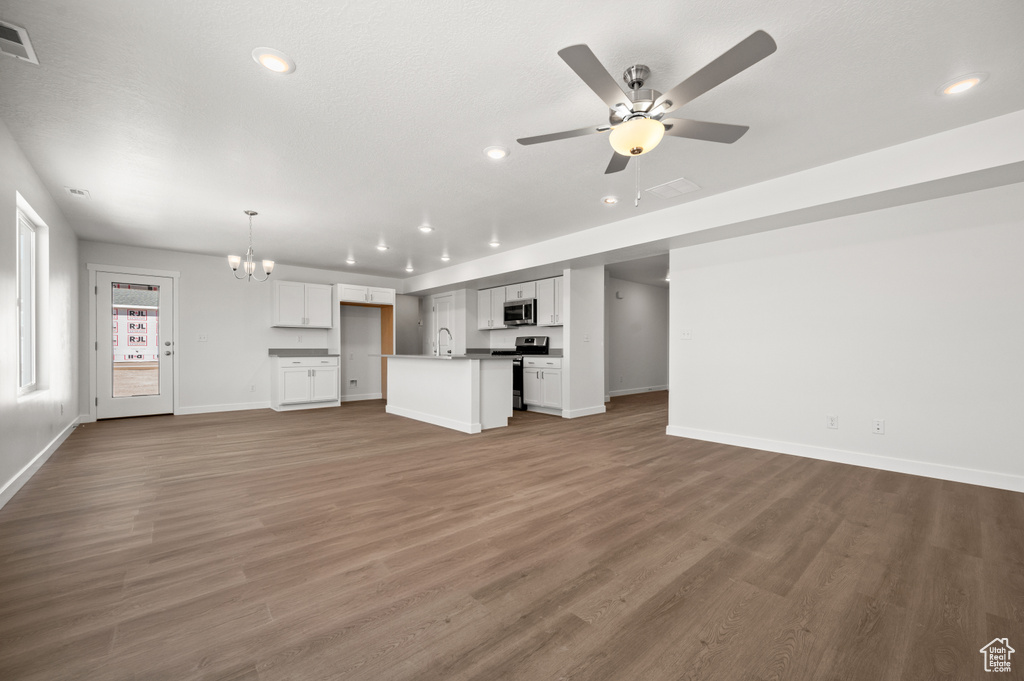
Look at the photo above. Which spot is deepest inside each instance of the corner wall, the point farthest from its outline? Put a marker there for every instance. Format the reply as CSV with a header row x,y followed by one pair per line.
x,y
910,314
32,426
583,364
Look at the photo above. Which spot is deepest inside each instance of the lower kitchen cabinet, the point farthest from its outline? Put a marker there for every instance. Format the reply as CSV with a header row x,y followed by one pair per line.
x,y
305,382
542,382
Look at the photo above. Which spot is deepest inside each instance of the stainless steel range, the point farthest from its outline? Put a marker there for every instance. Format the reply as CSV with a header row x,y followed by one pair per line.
x,y
525,345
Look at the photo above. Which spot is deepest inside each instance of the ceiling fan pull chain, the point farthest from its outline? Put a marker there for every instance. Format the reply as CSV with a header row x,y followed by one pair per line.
x,y
636,203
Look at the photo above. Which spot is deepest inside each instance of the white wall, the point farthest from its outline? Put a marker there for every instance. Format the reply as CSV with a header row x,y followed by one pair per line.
x,y
583,366
32,426
217,374
911,314
637,340
506,338
360,338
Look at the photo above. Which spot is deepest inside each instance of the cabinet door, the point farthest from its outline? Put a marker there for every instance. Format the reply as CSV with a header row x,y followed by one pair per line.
x,y
326,386
483,310
533,392
352,294
294,385
512,292
289,300
558,300
546,302
381,296
497,308
528,290
318,306
551,385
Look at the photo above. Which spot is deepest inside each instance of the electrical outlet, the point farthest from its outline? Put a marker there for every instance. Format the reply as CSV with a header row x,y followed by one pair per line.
x,y
878,426
351,355
252,388
201,338
832,422
353,382
586,338
686,335
300,339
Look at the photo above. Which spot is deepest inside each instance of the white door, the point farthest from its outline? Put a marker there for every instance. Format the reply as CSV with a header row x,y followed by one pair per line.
x,y
551,384
135,350
498,308
295,382
289,303
318,306
533,391
443,316
326,385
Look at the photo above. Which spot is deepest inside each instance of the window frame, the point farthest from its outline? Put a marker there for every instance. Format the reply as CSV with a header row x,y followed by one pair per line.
x,y
26,225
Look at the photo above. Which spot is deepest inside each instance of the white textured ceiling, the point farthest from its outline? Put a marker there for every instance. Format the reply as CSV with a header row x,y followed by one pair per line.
x,y
160,112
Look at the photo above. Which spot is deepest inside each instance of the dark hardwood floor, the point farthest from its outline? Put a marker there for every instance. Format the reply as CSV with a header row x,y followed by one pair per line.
x,y
346,543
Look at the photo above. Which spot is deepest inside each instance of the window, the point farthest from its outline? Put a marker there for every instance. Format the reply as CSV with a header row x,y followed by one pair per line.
x,y
26,305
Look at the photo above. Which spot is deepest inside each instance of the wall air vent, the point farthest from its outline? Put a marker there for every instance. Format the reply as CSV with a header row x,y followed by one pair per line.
x,y
14,42
77,193
674,188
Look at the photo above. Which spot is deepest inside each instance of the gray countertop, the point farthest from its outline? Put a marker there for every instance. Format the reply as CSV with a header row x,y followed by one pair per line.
x,y
466,356
300,352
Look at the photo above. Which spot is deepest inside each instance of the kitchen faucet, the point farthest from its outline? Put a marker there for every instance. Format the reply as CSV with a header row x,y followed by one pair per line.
x,y
437,350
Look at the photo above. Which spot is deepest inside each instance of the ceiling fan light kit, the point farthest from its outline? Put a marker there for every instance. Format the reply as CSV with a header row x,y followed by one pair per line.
x,y
637,118
636,136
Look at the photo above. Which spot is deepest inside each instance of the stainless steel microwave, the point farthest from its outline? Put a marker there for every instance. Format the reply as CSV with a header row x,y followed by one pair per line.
x,y
521,312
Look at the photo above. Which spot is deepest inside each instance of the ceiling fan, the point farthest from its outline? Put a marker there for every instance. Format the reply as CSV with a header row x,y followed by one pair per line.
x,y
637,118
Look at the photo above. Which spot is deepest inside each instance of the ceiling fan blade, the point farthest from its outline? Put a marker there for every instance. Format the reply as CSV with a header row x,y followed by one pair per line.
x,y
617,163
578,132
581,60
741,56
702,130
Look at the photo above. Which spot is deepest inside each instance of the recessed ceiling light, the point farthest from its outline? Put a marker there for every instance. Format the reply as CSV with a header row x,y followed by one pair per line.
x,y
272,59
495,244
445,258
496,153
409,268
962,84
350,261
426,229
610,200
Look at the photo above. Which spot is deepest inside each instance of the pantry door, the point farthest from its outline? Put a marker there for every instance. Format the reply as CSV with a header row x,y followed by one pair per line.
x,y
134,345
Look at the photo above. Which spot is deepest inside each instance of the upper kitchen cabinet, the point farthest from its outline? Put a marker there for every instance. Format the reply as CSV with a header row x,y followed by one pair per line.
x,y
351,293
490,309
523,291
303,305
549,302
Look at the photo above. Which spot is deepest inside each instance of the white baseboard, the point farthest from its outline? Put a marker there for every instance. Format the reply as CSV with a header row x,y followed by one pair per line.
x,y
306,405
210,408
586,411
16,482
361,397
542,410
634,391
971,476
461,426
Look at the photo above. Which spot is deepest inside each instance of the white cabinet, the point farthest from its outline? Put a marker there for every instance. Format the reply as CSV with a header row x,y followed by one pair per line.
x,y
298,304
302,382
542,382
352,293
549,302
490,309
523,291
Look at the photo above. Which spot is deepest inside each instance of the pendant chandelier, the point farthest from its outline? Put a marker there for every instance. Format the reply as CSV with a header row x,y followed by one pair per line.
x,y
249,266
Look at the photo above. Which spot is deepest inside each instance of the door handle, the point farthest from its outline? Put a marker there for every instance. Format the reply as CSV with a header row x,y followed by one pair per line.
x,y
167,342
167,352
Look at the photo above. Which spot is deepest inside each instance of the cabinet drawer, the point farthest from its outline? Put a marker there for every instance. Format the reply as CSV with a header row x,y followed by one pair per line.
x,y
307,362
543,362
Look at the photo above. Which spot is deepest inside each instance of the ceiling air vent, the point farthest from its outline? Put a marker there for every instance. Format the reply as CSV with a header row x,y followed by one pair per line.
x,y
14,42
674,188
77,193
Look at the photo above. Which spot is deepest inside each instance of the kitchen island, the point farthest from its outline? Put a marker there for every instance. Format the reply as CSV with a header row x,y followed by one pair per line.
x,y
468,393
